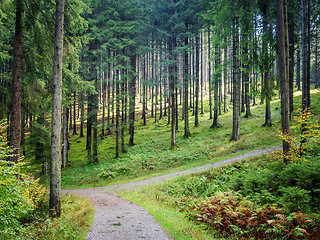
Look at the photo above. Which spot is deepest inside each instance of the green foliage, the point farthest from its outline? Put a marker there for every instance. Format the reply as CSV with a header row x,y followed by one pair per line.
x,y
304,142
20,194
24,206
74,222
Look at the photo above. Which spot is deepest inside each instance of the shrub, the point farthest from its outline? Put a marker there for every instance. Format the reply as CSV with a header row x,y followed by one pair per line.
x,y
234,216
20,197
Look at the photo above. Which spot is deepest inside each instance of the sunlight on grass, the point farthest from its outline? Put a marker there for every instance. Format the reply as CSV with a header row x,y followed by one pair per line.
x,y
152,156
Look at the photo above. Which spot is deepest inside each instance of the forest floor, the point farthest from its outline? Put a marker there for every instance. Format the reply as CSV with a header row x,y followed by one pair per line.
x,y
118,218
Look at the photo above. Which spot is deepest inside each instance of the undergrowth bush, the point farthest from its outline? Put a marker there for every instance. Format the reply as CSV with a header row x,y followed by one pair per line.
x,y
235,216
72,224
24,205
20,195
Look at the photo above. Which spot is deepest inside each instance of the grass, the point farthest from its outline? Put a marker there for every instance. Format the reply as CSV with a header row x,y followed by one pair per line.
x,y
152,156
75,220
256,182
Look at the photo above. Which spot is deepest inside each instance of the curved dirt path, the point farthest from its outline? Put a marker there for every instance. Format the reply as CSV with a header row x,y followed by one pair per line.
x,y
118,218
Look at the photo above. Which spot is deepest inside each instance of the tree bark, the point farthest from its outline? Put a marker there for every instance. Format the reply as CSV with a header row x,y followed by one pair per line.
x,y
197,78
65,138
132,79
172,82
81,103
185,85
55,177
283,77
17,84
117,113
236,86
74,114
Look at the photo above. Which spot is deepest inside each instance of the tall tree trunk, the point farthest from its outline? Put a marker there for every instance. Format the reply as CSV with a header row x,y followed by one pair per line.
x,y
95,108
89,126
225,78
265,74
17,84
308,54
74,114
81,103
304,41
298,69
209,75
144,100
172,82
291,36
236,86
104,99
117,113
201,69
185,85
160,86
215,123
132,92
55,177
65,138
283,77
23,130
122,81
113,91
197,78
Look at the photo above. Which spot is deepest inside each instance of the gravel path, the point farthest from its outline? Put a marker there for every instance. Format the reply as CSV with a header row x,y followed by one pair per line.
x,y
118,218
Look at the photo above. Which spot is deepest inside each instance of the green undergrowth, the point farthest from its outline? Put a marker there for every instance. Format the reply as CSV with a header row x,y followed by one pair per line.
x,y
24,204
75,220
259,198
152,155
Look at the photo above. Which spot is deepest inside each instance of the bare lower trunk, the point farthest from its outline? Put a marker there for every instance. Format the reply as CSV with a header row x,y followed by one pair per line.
x,y
65,138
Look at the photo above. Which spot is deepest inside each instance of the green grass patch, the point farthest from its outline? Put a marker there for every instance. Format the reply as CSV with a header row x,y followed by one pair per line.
x,y
75,220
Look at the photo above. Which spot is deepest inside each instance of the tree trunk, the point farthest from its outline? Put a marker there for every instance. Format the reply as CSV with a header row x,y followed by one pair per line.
x,y
185,85
132,79
144,100
89,126
95,109
197,78
81,103
122,95
74,114
209,75
225,78
55,177
283,77
172,82
291,37
236,86
104,99
298,70
304,41
65,138
215,123
265,74
17,84
117,113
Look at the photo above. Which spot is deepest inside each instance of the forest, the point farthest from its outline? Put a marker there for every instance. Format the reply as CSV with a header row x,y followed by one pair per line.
x,y
219,99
